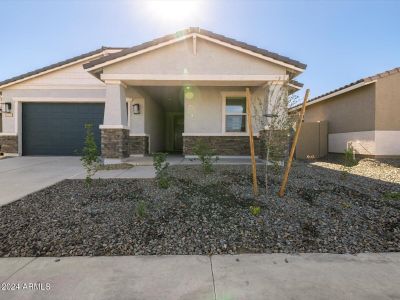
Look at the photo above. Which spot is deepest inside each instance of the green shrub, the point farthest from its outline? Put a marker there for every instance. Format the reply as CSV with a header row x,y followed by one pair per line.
x,y
160,162
90,157
161,165
163,182
141,209
392,195
255,210
205,154
349,160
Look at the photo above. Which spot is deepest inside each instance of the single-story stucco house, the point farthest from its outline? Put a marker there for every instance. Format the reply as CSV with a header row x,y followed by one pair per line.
x,y
163,95
364,114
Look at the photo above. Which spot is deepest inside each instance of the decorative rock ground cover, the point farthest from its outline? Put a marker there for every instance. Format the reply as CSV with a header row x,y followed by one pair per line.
x,y
324,210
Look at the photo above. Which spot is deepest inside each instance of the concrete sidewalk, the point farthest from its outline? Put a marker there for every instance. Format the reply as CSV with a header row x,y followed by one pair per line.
x,y
264,276
175,159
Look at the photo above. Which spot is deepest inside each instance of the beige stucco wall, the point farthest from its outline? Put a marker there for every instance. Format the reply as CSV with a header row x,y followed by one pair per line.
x,y
210,58
388,103
349,112
150,121
203,111
71,77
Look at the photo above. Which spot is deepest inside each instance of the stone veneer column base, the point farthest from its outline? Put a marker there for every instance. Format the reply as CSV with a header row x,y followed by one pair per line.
x,y
114,143
222,145
9,144
138,145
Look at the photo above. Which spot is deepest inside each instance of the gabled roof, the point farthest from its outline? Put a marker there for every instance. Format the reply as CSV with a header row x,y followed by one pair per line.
x,y
56,65
349,87
194,30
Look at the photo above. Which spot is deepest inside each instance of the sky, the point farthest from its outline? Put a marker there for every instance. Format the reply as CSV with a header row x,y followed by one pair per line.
x,y
340,41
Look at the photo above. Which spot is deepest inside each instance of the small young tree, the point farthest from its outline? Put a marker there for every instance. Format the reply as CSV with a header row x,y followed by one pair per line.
x,y
90,156
205,155
273,122
160,164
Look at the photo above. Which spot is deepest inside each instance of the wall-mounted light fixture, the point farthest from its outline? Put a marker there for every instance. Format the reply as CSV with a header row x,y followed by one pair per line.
x,y
136,108
5,107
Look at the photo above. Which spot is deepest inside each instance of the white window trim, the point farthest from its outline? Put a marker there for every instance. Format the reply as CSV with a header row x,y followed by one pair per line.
x,y
224,96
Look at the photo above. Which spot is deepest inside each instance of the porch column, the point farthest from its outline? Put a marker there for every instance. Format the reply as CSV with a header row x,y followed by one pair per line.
x,y
115,130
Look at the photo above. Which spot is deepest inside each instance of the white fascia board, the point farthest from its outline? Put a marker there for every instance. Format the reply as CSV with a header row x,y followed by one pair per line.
x,y
294,86
51,70
191,77
350,88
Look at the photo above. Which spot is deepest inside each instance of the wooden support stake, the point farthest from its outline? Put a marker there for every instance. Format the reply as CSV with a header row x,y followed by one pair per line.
x,y
296,137
250,127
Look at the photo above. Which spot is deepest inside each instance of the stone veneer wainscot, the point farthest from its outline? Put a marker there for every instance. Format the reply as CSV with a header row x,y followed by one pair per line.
x,y
8,143
138,145
222,145
114,143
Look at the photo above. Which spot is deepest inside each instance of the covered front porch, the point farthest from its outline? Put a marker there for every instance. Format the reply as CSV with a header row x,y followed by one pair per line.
x,y
143,119
183,89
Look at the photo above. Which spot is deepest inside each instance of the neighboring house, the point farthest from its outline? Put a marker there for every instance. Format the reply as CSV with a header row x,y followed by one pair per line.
x,y
364,114
163,95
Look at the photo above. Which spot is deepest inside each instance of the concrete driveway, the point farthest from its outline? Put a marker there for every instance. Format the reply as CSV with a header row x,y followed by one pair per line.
x,y
20,176
233,277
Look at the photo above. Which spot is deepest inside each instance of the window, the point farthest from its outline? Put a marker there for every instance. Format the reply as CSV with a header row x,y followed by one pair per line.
x,y
235,114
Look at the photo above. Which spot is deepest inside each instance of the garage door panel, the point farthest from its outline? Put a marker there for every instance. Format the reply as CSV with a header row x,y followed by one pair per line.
x,y
58,128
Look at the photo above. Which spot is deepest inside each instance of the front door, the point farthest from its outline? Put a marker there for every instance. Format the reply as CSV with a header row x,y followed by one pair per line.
x,y
178,131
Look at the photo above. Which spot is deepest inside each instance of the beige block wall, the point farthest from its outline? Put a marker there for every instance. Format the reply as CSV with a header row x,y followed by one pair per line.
x,y
313,140
349,112
388,103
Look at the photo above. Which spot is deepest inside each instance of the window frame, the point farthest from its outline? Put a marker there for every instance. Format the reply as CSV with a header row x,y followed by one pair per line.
x,y
236,94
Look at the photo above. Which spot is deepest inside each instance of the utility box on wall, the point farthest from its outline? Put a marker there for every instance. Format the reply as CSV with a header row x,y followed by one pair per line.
x,y
313,140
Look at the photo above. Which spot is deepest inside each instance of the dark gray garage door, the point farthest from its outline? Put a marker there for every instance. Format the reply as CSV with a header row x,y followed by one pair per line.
x,y
58,128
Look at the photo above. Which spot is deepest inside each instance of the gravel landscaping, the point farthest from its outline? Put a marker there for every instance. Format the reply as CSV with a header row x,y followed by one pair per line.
x,y
325,209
